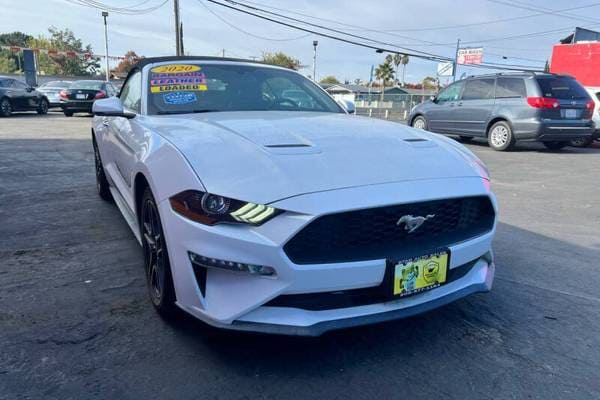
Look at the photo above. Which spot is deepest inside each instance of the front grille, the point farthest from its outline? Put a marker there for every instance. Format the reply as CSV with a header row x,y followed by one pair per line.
x,y
354,297
374,234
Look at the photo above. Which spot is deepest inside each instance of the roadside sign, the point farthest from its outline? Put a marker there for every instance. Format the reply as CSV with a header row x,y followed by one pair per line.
x,y
445,69
471,55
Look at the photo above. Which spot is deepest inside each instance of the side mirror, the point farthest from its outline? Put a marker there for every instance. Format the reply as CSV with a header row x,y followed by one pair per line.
x,y
29,89
110,107
433,98
348,106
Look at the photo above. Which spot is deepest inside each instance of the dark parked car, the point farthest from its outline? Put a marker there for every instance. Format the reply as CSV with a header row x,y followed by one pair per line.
x,y
80,96
18,96
508,107
52,90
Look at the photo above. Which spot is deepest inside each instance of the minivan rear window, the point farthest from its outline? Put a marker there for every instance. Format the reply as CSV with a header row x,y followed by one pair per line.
x,y
562,88
510,87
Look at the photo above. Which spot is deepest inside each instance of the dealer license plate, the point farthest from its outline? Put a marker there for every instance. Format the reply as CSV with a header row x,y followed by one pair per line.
x,y
416,275
81,96
570,113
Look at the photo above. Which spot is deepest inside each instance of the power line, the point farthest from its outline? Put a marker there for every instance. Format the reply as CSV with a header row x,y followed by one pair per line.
x,y
256,9
548,11
329,36
250,33
427,56
118,10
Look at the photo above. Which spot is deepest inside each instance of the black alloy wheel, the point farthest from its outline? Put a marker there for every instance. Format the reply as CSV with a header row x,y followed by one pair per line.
x,y
156,258
42,108
5,108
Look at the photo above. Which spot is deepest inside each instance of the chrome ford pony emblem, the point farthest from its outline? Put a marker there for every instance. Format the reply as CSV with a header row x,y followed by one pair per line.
x,y
411,223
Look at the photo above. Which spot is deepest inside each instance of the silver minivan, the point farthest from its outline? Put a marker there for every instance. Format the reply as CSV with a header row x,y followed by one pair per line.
x,y
510,107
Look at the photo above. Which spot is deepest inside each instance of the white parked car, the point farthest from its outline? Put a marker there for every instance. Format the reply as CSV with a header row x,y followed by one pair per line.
x,y
256,213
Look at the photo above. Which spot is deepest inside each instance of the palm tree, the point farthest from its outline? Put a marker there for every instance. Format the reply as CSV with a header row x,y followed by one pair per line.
x,y
404,60
397,60
385,72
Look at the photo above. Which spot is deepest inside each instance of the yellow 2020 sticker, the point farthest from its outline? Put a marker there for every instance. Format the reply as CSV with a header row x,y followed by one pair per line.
x,y
175,68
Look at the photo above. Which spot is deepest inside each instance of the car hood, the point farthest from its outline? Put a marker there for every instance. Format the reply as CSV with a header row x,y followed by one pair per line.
x,y
263,157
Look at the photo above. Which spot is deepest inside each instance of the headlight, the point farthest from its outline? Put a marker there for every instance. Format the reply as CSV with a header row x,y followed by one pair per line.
x,y
212,209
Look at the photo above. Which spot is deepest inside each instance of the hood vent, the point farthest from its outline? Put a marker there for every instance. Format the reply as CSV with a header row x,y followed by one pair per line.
x,y
285,146
416,140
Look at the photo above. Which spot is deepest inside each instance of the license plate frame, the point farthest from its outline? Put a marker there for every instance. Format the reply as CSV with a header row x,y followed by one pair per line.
x,y
80,96
405,281
571,113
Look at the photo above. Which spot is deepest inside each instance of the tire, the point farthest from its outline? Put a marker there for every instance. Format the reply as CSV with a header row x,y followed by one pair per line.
x,y
466,138
68,113
585,142
500,136
5,108
419,122
156,259
555,145
101,181
42,108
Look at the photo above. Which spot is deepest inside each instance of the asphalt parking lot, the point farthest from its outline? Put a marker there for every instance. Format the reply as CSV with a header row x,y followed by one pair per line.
x,y
75,321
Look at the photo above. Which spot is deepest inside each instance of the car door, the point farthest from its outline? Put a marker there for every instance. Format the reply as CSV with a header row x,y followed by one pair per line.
x,y
440,112
124,138
475,106
17,94
28,98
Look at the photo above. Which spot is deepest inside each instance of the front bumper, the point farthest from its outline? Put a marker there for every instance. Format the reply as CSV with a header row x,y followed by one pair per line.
x,y
239,301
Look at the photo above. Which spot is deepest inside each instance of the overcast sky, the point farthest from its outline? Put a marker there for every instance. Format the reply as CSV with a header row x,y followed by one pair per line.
x,y
205,34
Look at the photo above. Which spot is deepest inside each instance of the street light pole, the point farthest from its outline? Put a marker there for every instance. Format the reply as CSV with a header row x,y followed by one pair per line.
x,y
104,15
455,61
315,44
177,32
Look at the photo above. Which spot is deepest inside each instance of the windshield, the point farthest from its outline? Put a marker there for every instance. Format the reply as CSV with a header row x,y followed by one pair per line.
x,y
562,88
56,84
89,85
188,88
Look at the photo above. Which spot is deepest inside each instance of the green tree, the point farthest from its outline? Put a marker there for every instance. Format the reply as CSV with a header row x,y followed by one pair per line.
x,y
330,79
430,82
7,64
11,61
281,59
64,40
385,73
404,60
547,66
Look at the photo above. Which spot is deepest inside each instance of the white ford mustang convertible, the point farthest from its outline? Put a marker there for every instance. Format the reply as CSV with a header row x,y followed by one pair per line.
x,y
263,205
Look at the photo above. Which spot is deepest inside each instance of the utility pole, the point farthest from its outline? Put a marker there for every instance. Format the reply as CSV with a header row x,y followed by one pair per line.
x,y
315,44
455,61
104,15
223,53
177,29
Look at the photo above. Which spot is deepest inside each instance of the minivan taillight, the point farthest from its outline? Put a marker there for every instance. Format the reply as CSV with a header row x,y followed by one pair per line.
x,y
100,95
589,109
63,95
543,102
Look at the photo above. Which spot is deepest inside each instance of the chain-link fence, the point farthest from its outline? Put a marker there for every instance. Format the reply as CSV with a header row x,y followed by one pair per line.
x,y
395,107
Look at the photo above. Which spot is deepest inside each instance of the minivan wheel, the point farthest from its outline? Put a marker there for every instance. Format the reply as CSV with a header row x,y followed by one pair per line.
x,y
582,142
500,136
419,122
555,145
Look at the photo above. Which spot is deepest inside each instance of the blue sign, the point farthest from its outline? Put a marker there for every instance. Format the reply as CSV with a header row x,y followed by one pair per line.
x,y
179,97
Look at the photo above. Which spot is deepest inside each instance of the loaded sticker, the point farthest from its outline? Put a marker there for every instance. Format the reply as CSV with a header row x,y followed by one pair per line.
x,y
179,97
177,78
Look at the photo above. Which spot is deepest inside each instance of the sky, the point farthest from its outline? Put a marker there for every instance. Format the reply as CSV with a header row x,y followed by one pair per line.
x,y
423,25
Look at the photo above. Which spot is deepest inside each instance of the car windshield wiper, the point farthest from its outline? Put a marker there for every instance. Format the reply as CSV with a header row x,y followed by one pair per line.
x,y
185,111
